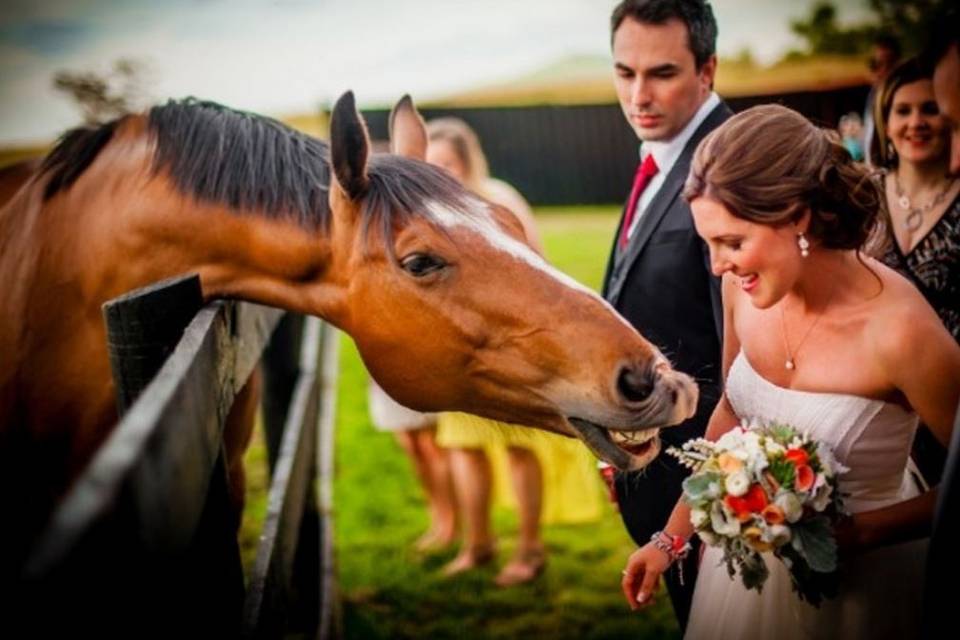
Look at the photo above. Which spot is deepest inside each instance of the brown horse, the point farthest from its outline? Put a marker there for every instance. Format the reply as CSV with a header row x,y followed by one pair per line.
x,y
448,306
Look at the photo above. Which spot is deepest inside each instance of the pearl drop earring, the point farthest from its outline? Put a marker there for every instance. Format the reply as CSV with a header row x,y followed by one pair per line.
x,y
804,244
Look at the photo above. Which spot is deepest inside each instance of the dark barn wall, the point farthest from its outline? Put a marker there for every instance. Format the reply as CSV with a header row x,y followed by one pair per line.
x,y
586,154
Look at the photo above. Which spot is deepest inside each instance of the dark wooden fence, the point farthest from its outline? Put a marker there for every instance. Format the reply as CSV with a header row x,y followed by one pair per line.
x,y
145,543
586,154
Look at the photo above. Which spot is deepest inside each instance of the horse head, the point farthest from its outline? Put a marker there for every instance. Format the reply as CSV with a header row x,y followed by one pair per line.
x,y
451,309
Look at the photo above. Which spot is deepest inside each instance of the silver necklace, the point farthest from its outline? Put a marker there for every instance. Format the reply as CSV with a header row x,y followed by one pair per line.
x,y
914,218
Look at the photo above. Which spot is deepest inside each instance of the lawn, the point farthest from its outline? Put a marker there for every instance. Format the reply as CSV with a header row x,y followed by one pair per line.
x,y
389,592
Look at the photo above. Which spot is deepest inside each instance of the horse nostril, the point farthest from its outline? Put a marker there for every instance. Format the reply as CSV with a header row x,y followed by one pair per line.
x,y
636,384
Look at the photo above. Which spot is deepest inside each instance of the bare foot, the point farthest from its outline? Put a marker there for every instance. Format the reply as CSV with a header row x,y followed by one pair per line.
x,y
433,541
525,566
469,559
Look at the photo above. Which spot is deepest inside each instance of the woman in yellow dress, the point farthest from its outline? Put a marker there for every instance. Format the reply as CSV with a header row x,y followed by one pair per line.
x,y
553,477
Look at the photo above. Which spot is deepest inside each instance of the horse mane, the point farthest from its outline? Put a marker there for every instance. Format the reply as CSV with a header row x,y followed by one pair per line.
x,y
253,163
73,153
242,160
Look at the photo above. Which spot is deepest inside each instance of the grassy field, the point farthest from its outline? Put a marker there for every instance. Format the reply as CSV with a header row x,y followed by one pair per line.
x,y
389,592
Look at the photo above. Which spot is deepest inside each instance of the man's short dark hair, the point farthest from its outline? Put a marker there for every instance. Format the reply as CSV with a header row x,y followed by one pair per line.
x,y
945,34
696,14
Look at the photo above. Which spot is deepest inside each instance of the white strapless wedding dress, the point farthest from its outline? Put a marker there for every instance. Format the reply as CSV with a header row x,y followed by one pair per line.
x,y
880,591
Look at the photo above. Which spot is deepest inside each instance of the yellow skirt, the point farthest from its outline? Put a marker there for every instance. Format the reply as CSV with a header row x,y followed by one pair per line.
x,y
572,490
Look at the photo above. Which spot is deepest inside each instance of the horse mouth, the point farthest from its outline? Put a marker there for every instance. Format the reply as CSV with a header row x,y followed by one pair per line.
x,y
625,450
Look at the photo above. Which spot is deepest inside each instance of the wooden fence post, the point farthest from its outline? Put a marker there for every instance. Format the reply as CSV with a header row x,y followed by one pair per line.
x,y
143,328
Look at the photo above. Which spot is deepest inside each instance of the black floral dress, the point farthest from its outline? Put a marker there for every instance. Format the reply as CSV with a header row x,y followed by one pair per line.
x,y
934,267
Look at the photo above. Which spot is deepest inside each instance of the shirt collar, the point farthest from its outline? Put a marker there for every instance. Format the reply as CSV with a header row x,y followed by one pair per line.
x,y
666,152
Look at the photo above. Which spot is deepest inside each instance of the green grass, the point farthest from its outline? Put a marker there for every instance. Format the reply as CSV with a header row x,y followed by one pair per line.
x,y
389,592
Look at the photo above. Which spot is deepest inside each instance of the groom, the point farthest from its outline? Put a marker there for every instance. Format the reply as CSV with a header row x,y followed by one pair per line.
x,y
943,559
658,275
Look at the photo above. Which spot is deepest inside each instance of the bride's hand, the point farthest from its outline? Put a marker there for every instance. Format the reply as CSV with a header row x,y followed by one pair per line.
x,y
643,571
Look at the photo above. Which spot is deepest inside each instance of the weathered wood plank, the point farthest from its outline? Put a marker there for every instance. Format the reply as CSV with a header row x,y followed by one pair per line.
x,y
291,526
167,466
331,619
281,368
144,327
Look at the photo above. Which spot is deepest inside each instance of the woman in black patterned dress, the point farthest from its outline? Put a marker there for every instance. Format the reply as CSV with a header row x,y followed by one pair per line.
x,y
921,234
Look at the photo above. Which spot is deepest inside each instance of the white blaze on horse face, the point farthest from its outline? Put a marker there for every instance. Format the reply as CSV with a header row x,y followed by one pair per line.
x,y
478,219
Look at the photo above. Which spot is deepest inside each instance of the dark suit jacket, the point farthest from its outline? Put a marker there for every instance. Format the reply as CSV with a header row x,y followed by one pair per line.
x,y
943,558
661,283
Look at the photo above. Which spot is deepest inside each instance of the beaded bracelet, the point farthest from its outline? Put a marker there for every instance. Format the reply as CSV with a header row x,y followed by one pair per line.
x,y
676,548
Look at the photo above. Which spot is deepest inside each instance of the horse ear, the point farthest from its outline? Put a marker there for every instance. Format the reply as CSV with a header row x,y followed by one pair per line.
x,y
349,147
408,134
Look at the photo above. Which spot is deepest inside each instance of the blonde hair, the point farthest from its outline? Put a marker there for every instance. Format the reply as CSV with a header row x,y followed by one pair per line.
x,y
466,145
770,165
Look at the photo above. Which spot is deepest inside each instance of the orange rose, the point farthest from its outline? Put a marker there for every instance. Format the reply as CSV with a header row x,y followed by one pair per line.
x,y
729,463
797,456
773,514
751,502
805,478
752,536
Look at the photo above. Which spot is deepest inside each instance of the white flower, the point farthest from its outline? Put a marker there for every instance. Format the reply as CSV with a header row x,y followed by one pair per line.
x,y
709,538
757,462
731,440
773,447
737,483
828,461
699,517
723,522
713,490
791,505
821,497
776,534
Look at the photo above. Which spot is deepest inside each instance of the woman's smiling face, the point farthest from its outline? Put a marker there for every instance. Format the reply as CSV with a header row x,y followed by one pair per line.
x,y
765,258
917,130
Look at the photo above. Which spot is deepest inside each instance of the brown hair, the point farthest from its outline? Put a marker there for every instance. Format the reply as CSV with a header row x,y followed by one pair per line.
x,y
466,145
769,164
907,72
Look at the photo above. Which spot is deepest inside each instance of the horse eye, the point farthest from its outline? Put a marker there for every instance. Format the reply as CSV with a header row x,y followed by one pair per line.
x,y
421,264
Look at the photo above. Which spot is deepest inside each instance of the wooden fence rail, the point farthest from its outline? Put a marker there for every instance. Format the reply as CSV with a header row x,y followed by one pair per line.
x,y
145,543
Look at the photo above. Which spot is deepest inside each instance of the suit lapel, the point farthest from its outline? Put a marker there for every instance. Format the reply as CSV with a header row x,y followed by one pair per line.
x,y
668,193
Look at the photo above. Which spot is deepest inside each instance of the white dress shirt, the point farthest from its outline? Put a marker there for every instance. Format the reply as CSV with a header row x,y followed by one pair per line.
x,y
665,154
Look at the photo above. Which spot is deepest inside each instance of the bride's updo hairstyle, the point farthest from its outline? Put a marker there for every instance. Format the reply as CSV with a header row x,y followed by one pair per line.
x,y
769,164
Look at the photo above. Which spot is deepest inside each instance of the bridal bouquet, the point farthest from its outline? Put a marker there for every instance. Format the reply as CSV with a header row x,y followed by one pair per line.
x,y
767,489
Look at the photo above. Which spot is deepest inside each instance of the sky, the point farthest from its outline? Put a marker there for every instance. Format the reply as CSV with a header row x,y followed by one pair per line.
x,y
290,56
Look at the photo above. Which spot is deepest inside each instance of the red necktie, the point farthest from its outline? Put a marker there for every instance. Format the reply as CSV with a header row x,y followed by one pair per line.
x,y
645,172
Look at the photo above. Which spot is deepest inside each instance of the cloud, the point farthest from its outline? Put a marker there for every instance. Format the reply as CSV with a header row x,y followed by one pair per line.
x,y
50,37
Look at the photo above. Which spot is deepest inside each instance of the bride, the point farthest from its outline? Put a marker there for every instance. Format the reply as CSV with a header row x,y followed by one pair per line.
x,y
831,342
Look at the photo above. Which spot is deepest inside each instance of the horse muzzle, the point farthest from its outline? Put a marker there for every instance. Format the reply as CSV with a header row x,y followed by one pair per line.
x,y
632,441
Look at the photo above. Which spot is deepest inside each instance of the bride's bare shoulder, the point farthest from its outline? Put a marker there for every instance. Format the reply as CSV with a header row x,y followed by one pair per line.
x,y
901,319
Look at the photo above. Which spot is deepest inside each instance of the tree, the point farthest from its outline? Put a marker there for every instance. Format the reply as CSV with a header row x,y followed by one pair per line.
x,y
100,96
824,36
906,20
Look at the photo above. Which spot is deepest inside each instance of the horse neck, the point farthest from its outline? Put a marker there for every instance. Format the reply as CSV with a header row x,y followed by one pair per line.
x,y
243,255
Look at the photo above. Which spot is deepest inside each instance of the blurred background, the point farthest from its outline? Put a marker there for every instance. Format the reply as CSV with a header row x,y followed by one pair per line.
x,y
534,79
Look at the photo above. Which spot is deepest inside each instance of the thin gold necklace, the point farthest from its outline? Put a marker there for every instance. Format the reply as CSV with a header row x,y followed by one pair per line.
x,y
790,362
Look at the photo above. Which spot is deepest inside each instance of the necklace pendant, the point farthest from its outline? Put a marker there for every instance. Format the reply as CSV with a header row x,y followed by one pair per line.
x,y
789,364
904,202
913,220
